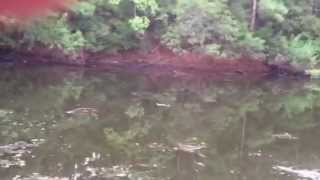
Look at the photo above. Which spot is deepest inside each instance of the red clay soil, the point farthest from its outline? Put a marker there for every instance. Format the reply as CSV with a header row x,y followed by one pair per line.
x,y
190,62
28,9
160,61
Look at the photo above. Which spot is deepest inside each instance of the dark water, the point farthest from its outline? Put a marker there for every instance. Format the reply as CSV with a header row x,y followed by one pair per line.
x,y
72,124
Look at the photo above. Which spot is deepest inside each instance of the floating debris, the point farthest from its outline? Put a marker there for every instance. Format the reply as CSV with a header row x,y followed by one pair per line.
x,y
16,148
80,111
4,113
285,136
201,164
255,154
190,148
313,73
11,154
163,105
94,157
4,163
117,171
36,176
302,173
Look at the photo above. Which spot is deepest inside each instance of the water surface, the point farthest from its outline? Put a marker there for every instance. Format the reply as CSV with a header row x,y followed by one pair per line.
x,y
75,124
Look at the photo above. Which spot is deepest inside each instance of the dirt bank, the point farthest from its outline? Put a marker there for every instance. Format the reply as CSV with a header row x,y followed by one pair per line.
x,y
159,60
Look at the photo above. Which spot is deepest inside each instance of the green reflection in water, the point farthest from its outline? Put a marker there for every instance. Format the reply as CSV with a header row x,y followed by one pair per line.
x,y
100,125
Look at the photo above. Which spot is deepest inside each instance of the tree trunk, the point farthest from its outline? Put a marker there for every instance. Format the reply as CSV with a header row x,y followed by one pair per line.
x,y
253,15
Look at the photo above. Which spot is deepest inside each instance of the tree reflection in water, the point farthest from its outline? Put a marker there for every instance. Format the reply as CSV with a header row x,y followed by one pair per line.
x,y
173,128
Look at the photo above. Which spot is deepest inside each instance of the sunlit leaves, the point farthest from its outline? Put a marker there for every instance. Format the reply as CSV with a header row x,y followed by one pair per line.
x,y
275,9
147,5
139,24
302,49
55,32
247,39
201,22
85,8
114,2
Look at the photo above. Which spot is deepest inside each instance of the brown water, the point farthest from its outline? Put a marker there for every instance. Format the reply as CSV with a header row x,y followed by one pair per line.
x,y
74,124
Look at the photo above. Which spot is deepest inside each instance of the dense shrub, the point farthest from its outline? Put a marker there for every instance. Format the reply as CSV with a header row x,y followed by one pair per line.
x,y
223,28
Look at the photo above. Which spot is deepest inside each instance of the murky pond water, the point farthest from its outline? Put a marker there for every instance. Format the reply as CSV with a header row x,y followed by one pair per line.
x,y
72,124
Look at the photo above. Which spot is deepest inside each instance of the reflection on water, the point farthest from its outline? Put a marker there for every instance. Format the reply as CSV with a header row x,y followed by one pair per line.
x,y
302,173
73,124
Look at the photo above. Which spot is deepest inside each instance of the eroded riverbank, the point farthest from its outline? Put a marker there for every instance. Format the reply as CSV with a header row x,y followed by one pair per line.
x,y
159,60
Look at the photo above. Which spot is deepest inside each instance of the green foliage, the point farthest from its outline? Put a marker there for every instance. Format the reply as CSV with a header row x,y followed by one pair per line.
x,y
273,9
302,49
216,27
113,25
280,25
94,25
147,5
248,40
55,32
6,40
214,49
139,24
85,9
200,23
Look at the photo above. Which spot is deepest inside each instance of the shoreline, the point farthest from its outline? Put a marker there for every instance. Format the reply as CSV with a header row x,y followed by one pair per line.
x,y
159,60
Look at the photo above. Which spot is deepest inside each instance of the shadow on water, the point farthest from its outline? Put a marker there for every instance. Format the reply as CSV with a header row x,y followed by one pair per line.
x,y
76,124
